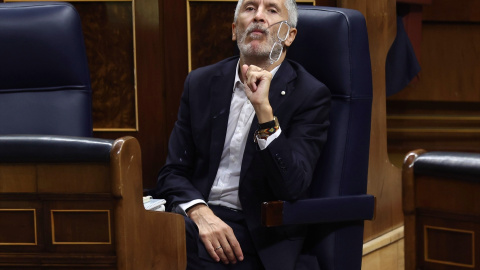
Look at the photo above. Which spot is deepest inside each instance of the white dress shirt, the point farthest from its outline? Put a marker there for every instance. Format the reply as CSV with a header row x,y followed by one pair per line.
x,y
224,191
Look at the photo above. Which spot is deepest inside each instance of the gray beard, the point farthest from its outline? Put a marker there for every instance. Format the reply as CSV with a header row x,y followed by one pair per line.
x,y
248,50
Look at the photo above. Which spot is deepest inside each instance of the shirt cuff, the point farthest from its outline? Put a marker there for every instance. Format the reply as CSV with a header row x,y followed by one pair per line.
x,y
185,206
263,143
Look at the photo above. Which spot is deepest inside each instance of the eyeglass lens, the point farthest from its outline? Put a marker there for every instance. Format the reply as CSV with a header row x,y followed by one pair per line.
x,y
283,30
277,47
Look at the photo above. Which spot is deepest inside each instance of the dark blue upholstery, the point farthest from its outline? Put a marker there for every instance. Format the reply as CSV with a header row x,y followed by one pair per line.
x,y
456,165
44,76
332,44
53,149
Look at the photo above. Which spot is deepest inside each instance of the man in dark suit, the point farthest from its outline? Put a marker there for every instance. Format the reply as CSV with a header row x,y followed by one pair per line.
x,y
232,150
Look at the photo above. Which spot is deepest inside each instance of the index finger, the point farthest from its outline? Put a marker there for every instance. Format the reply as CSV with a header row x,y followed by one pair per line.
x,y
244,72
253,76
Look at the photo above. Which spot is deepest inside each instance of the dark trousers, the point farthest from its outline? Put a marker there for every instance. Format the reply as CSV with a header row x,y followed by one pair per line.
x,y
198,257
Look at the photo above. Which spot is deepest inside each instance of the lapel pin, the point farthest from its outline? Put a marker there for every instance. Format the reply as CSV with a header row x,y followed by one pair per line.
x,y
283,93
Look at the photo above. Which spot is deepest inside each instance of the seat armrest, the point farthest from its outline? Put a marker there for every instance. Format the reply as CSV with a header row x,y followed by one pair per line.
x,y
318,210
456,165
53,149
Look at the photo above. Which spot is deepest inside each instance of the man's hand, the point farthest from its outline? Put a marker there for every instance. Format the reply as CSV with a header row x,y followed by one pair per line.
x,y
257,86
214,234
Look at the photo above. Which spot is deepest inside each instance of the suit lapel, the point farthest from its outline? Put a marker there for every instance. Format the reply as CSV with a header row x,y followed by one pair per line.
x,y
280,84
221,96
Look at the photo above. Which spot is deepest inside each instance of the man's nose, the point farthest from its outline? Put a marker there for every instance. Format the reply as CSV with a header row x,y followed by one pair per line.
x,y
260,16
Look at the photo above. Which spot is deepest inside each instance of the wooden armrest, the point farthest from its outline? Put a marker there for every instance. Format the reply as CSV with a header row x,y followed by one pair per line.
x,y
146,239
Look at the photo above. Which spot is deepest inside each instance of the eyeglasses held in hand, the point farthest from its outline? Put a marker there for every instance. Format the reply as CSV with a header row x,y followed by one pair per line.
x,y
282,34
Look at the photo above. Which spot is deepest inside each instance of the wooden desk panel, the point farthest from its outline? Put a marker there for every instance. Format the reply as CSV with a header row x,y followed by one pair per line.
x,y
85,216
442,220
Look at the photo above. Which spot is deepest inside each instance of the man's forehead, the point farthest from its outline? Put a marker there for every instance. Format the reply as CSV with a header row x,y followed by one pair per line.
x,y
278,3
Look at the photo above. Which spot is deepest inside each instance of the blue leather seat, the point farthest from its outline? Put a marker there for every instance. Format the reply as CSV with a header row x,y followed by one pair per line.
x,y
455,165
332,44
44,76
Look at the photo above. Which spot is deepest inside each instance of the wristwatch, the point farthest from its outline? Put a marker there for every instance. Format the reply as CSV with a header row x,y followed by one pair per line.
x,y
270,124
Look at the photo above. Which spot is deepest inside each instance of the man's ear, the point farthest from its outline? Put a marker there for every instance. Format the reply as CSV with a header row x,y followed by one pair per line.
x,y
291,37
234,35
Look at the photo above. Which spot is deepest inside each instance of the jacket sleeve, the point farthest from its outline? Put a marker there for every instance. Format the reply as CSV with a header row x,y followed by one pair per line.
x,y
174,180
291,158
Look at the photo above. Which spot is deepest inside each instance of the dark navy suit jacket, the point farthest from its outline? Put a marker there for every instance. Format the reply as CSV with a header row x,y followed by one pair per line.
x,y
283,171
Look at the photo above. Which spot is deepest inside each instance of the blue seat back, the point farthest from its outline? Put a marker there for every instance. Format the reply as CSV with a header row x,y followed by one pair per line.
x,y
332,44
44,76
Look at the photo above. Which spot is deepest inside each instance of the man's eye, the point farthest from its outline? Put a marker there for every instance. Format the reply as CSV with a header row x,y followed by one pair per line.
x,y
249,9
272,10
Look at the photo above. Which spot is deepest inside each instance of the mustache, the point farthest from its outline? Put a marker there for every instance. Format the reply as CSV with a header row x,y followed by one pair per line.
x,y
257,27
